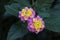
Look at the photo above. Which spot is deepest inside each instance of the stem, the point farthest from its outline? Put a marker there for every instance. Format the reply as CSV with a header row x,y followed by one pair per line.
x,y
33,4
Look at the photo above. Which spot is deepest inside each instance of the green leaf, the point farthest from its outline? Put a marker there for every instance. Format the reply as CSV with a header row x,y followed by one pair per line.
x,y
42,7
16,32
23,3
43,13
13,9
6,15
53,23
20,23
43,3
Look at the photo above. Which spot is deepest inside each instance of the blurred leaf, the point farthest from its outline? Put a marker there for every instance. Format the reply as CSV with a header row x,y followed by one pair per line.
x,y
22,3
16,32
43,13
15,7
42,7
20,23
12,9
53,23
6,15
43,3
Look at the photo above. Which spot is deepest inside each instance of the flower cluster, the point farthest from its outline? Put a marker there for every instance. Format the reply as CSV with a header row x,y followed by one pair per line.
x,y
35,24
26,13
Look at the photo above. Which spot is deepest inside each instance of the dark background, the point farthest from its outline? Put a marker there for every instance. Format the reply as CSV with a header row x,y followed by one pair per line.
x,y
8,21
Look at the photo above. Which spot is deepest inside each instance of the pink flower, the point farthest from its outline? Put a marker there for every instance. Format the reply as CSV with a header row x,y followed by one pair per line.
x,y
26,13
35,24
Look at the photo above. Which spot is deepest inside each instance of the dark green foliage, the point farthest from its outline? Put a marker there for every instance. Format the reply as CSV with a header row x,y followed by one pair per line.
x,y
43,3
16,32
41,7
13,9
53,23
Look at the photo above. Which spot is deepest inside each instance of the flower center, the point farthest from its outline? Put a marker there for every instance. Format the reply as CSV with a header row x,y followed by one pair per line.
x,y
37,24
26,13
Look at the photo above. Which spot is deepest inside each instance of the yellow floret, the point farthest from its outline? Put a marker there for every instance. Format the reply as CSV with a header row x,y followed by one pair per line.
x,y
26,13
37,24
29,12
23,12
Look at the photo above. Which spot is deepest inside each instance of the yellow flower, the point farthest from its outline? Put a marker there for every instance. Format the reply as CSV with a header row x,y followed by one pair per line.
x,y
27,13
36,24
